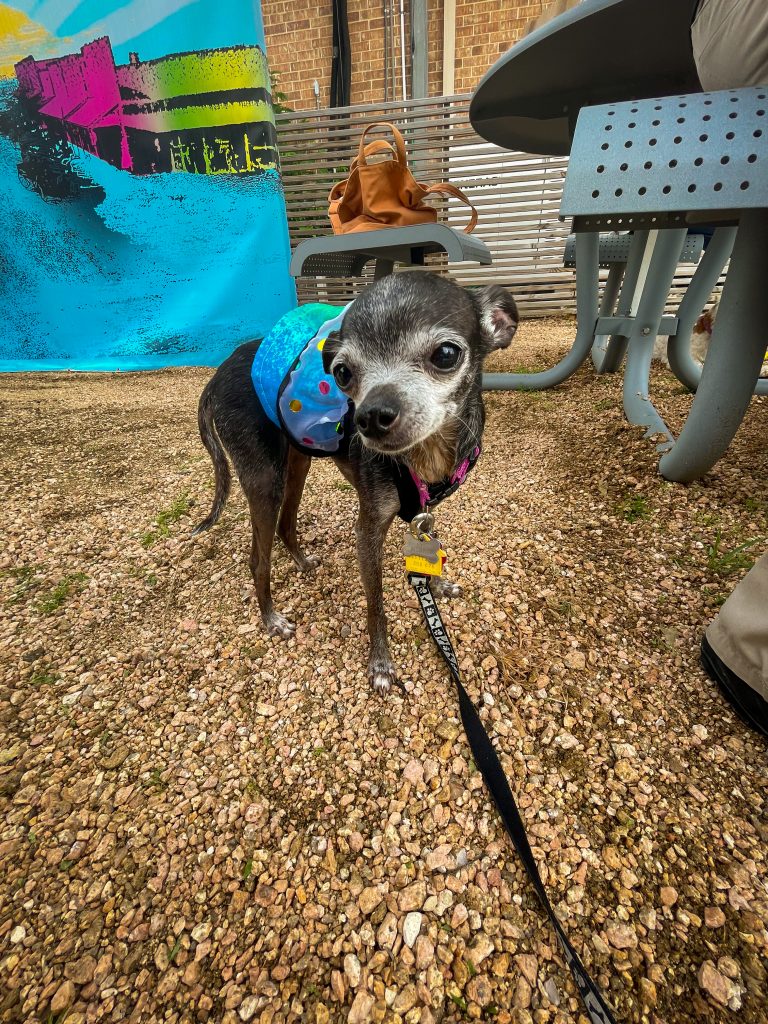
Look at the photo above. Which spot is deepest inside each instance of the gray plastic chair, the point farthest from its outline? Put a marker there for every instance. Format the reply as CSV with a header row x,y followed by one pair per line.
x,y
347,255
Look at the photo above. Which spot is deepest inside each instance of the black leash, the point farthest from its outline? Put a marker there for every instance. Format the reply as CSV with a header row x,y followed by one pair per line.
x,y
488,762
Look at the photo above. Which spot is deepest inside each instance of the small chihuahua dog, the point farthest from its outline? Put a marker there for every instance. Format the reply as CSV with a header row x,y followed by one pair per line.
x,y
407,362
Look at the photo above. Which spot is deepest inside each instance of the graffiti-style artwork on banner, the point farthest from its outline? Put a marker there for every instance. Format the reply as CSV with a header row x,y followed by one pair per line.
x,y
143,220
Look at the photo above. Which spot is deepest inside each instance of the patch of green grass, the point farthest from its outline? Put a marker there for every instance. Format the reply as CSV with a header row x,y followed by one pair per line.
x,y
342,485
459,1001
755,505
42,679
65,865
604,404
707,518
471,969
25,580
175,951
155,780
56,597
318,752
253,651
726,561
563,608
252,789
537,397
635,508
247,869
165,519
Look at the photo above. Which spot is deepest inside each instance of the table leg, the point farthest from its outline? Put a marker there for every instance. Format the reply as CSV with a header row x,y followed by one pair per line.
x,y
382,268
631,290
607,306
733,361
662,253
681,362
587,291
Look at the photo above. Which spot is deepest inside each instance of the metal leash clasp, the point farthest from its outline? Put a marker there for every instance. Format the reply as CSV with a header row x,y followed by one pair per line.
x,y
423,523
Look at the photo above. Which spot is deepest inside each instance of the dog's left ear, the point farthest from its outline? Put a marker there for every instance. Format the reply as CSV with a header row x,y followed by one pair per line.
x,y
330,348
498,316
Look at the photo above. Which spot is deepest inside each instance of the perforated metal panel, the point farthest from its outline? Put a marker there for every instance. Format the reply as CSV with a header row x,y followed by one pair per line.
x,y
658,160
333,264
614,248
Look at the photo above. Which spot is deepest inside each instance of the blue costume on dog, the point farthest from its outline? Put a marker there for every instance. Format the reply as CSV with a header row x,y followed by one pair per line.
x,y
293,388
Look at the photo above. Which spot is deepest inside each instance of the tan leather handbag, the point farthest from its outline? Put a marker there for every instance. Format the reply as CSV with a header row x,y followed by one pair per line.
x,y
384,193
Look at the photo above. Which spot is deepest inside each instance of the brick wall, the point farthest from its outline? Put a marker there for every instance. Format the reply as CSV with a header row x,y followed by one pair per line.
x,y
298,39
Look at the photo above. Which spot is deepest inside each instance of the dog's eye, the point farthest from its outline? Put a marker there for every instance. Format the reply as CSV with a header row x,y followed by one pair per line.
x,y
342,375
446,356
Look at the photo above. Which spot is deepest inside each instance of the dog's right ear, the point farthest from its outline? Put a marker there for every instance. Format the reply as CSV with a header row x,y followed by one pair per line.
x,y
498,316
330,348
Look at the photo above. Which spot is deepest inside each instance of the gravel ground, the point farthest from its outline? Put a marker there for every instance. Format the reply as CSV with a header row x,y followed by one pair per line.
x,y
202,823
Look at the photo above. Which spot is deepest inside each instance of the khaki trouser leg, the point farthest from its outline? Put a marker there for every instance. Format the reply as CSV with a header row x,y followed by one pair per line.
x,y
730,43
739,633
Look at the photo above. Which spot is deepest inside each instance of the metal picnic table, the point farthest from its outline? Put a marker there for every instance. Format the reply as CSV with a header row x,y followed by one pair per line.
x,y
625,53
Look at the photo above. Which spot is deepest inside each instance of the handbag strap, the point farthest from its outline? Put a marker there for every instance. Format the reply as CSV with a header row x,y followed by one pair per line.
x,y
377,146
446,188
399,143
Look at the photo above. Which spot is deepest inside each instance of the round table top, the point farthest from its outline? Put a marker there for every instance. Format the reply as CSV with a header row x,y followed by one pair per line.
x,y
602,51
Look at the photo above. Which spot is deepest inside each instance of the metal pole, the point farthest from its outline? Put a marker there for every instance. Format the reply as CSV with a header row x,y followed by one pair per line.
x,y
587,291
385,8
419,49
402,48
392,50
449,48
733,361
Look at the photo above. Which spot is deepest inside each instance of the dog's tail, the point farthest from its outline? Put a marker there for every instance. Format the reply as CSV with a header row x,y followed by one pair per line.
x,y
221,469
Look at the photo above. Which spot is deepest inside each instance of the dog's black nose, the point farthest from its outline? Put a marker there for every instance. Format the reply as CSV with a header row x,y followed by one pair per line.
x,y
377,419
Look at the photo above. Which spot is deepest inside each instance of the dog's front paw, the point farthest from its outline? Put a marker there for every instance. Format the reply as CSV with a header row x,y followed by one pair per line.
x,y
278,625
444,588
382,676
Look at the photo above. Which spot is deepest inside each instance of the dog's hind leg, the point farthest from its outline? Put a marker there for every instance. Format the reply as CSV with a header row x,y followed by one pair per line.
x,y
298,468
264,493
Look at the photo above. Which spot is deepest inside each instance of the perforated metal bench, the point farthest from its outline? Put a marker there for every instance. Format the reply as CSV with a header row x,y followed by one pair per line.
x,y
655,167
348,255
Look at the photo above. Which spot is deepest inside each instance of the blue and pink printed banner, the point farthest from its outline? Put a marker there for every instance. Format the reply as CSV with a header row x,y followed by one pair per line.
x,y
142,219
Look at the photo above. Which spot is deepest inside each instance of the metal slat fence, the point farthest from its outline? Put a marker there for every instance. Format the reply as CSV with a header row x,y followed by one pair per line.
x,y
517,196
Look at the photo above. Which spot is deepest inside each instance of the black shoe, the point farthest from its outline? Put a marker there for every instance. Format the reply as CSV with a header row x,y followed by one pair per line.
x,y
749,705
